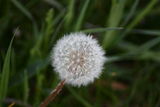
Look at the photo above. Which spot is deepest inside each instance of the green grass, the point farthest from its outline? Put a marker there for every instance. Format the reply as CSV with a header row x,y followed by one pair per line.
x,y
4,80
128,30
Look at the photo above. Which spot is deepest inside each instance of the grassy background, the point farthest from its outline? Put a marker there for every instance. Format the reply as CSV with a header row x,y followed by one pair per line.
x,y
129,31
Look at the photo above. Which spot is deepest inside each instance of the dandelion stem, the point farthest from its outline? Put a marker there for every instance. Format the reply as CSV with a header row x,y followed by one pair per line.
x,y
53,94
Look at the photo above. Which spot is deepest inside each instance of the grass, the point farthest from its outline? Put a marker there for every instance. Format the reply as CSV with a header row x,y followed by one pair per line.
x,y
127,30
5,74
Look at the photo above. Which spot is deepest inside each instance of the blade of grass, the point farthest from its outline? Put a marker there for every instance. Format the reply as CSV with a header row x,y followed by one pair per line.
x,y
131,12
22,9
138,18
4,80
144,49
141,79
31,71
48,28
56,32
79,98
96,30
142,52
27,14
39,87
148,45
43,41
146,32
139,31
70,13
142,14
55,4
26,87
115,17
81,16
59,17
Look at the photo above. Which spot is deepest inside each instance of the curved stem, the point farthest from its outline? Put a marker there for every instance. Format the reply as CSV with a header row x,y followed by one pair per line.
x,y
53,94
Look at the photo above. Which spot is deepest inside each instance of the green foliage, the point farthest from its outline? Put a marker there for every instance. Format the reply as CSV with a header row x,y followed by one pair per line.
x,y
43,40
143,13
128,30
4,80
26,87
114,19
81,16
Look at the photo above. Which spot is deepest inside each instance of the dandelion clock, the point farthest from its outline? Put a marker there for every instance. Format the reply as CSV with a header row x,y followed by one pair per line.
x,y
78,59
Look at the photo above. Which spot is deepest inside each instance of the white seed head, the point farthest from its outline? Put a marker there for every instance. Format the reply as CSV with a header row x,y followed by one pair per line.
x,y
78,59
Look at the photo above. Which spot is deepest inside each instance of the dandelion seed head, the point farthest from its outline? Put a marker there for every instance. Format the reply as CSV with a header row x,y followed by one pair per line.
x,y
78,59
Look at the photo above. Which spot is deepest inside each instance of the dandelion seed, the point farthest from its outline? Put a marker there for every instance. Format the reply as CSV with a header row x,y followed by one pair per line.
x,y
78,59
85,59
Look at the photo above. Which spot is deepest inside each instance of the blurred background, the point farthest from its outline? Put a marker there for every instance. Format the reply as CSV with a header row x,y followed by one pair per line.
x,y
128,30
